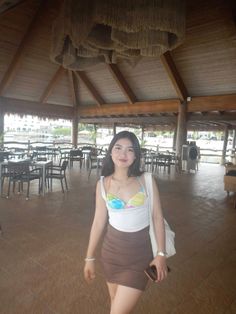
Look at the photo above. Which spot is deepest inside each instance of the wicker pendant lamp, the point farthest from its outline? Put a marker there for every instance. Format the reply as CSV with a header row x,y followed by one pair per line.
x,y
110,30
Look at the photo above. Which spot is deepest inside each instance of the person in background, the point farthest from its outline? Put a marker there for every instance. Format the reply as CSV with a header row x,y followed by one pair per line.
x,y
122,211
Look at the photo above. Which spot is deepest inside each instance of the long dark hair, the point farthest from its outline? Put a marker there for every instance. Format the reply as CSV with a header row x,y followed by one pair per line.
x,y
134,169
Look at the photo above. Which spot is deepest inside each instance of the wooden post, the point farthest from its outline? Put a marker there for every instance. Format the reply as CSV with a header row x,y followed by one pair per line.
x,y
234,139
181,136
174,139
226,134
142,133
233,152
75,122
114,129
1,128
95,134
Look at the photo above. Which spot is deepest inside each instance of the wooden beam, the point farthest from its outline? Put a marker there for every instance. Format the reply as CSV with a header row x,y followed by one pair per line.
x,y
198,104
134,120
212,103
11,105
96,96
213,117
11,7
157,106
118,76
11,71
2,2
174,75
73,87
52,84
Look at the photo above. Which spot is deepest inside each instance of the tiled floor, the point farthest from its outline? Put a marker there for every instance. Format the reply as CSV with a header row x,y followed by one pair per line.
x,y
45,238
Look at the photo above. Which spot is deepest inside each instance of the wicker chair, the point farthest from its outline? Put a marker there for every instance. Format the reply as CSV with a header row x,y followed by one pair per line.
x,y
57,173
20,172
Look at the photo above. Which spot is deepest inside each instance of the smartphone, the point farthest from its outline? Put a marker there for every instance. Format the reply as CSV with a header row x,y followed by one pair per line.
x,y
151,272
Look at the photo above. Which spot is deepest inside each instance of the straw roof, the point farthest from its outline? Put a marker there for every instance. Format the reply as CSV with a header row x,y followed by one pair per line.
x,y
112,66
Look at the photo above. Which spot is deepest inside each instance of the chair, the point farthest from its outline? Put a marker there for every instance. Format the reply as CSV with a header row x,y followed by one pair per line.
x,y
20,172
64,155
41,153
5,174
4,156
76,155
94,162
59,173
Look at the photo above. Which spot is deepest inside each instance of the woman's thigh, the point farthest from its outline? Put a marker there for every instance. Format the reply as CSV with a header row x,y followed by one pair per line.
x,y
112,288
125,300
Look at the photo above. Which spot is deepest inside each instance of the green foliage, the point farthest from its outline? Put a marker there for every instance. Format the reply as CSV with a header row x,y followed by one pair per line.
x,y
87,127
61,131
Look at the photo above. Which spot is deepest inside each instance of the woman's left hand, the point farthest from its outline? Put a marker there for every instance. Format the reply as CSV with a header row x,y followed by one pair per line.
x,y
161,267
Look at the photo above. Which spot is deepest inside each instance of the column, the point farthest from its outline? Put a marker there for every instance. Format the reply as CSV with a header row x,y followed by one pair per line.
x,y
174,139
95,134
142,133
114,129
234,139
224,150
1,127
75,122
181,136
233,147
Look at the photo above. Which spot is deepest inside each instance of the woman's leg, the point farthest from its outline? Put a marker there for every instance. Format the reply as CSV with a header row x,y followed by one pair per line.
x,y
125,300
112,288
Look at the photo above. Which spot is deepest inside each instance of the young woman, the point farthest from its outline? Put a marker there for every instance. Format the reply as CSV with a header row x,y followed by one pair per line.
x,y
122,207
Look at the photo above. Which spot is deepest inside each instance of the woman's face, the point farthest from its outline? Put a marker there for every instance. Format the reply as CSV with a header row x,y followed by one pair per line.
x,y
122,153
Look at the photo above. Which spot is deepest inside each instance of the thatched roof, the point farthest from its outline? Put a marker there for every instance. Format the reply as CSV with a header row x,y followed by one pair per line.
x,y
147,91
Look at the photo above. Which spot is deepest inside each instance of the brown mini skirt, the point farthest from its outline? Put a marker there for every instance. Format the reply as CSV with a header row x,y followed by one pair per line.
x,y
125,255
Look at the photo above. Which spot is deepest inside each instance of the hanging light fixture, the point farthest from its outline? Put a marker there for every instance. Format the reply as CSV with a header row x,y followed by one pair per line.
x,y
93,31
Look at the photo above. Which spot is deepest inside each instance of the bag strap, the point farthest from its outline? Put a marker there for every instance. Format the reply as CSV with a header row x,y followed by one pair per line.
x,y
149,188
102,187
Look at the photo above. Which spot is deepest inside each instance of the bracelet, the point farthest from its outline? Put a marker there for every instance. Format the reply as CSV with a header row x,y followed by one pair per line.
x,y
89,259
161,253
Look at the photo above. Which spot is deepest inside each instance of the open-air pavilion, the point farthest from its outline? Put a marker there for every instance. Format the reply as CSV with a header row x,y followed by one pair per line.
x,y
190,84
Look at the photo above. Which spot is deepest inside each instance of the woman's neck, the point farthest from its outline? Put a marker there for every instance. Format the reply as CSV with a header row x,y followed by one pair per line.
x,y
121,175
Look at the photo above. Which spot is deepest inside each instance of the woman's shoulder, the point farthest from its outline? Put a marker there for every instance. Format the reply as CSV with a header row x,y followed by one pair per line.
x,y
104,181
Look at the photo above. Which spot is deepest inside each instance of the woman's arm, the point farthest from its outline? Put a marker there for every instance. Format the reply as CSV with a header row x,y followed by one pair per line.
x,y
99,223
159,228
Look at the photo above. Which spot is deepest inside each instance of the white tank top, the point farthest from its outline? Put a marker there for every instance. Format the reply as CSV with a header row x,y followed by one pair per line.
x,y
129,217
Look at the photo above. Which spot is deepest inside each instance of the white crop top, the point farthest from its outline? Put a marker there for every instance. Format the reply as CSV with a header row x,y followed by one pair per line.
x,y
128,216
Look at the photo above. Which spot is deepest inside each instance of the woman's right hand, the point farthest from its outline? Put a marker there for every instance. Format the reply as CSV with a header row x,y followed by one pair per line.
x,y
89,271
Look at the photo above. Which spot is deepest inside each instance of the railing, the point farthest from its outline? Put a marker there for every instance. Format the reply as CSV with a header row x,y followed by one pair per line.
x,y
207,155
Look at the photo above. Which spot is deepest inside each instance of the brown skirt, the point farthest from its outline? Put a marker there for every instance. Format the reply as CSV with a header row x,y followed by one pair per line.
x,y
125,255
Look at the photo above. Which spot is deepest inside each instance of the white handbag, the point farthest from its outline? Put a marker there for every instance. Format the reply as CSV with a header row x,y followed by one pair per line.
x,y
170,235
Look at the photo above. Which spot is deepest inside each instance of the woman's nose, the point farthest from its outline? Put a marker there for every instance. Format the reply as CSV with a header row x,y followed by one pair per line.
x,y
123,152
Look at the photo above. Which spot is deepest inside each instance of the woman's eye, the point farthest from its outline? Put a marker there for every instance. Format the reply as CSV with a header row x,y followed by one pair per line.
x,y
131,150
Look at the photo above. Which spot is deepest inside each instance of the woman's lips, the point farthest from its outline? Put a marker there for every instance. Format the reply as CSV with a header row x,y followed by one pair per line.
x,y
122,160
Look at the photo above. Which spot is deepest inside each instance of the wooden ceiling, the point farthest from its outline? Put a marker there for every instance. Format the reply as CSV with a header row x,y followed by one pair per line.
x,y
202,71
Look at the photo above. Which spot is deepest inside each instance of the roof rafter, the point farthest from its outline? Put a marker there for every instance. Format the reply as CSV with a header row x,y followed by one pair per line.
x,y
10,73
52,84
118,76
73,87
174,75
11,7
96,96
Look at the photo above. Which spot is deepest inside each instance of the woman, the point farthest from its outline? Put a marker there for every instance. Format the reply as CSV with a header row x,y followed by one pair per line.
x,y
122,206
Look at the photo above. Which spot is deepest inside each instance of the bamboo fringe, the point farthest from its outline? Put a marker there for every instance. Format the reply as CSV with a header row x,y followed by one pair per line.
x,y
94,31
